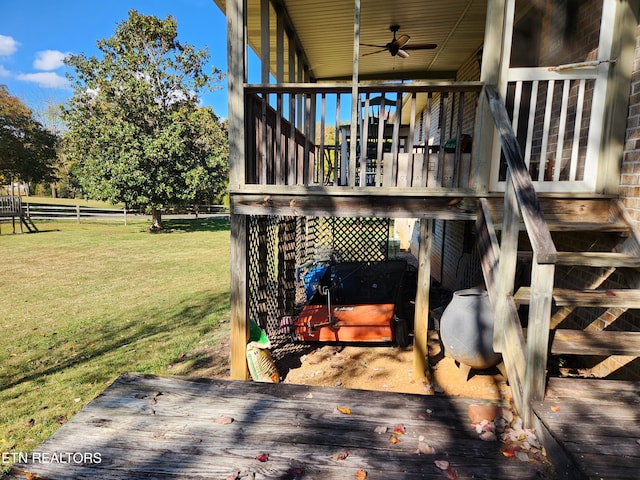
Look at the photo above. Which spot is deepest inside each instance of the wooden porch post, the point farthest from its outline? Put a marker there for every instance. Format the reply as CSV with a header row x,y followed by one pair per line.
x,y
236,77
239,297
617,41
421,322
351,173
489,74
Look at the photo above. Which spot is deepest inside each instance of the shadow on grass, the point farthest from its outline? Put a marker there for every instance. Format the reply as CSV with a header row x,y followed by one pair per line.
x,y
206,224
107,339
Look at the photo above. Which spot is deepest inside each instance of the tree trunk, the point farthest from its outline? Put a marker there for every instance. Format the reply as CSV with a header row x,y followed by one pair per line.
x,y
156,219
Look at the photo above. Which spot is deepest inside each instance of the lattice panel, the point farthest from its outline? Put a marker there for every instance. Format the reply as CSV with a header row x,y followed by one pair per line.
x,y
351,239
278,245
263,280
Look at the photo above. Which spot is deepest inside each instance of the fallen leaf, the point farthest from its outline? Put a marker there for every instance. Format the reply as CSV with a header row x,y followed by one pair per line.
x,y
340,455
554,408
224,420
424,448
611,294
345,410
442,464
451,473
263,457
31,476
394,439
507,451
361,474
381,429
399,430
233,476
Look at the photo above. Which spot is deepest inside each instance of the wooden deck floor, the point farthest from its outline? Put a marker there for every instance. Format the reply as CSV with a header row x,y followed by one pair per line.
x,y
151,427
596,425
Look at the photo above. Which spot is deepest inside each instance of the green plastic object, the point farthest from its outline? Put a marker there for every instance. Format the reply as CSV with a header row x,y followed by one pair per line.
x,y
257,336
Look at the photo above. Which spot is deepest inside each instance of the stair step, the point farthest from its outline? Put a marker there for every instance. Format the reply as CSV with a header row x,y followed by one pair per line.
x,y
571,214
598,259
603,227
591,259
581,342
564,297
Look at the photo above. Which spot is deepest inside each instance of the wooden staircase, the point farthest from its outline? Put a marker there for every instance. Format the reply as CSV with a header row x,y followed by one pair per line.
x,y
611,273
598,237
28,223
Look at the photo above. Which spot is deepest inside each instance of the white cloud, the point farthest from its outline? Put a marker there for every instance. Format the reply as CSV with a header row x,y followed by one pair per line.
x,y
49,60
8,46
45,79
4,72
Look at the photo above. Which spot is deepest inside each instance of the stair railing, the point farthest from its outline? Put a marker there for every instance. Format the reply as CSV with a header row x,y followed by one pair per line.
x,y
526,361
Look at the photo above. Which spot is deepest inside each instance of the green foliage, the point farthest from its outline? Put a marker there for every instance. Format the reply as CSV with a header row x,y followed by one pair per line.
x,y
136,131
27,149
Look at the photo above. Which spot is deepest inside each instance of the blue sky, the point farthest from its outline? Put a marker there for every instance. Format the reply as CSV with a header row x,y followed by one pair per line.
x,y
35,35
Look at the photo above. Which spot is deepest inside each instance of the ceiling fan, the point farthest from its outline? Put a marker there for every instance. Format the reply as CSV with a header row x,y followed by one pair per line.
x,y
398,46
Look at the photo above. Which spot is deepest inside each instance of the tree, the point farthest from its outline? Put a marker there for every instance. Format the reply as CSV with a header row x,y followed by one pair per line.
x,y
27,148
134,125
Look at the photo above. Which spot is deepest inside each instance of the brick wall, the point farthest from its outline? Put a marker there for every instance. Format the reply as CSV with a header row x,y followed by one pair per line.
x,y
630,178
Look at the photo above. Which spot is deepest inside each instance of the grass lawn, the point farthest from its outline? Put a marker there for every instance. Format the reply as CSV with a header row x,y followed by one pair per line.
x,y
81,304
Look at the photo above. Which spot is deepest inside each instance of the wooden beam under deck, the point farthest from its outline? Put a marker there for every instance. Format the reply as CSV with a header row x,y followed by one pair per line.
x,y
447,206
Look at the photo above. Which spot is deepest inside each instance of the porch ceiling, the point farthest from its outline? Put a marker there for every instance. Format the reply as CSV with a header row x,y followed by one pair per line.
x,y
325,33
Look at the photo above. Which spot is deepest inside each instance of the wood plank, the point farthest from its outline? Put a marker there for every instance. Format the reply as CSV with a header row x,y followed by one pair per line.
x,y
595,421
598,259
594,391
542,276
236,76
350,206
151,427
423,285
530,209
564,297
583,342
239,307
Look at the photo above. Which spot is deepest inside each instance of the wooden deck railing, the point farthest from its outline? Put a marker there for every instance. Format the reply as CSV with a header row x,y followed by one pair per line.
x,y
525,361
558,123
10,206
417,135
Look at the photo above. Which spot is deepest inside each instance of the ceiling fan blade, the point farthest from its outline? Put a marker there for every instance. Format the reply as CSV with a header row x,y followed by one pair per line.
x,y
421,46
373,53
372,45
402,40
402,54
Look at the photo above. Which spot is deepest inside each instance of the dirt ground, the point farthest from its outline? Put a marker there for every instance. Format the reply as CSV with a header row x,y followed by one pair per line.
x,y
386,368
382,368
